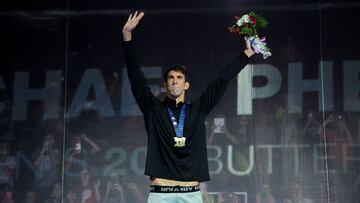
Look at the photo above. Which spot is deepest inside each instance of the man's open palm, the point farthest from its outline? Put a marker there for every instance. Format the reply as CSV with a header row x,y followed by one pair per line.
x,y
132,21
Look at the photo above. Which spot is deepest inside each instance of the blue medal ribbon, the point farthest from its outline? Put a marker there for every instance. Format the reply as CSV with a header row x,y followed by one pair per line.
x,y
178,126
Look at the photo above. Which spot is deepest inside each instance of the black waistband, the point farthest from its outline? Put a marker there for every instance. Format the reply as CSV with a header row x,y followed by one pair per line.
x,y
174,189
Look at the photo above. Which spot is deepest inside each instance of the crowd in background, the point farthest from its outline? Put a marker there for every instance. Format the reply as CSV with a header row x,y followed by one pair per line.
x,y
65,161
77,174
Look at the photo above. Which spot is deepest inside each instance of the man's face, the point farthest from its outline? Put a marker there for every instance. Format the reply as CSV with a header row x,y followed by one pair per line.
x,y
297,191
176,84
84,176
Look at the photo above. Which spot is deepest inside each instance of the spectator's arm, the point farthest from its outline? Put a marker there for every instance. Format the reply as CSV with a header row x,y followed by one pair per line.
x,y
307,124
210,139
38,156
120,189
233,139
94,147
69,160
97,194
349,136
107,192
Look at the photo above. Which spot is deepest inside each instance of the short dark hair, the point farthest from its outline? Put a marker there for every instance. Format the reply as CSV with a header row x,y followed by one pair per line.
x,y
176,68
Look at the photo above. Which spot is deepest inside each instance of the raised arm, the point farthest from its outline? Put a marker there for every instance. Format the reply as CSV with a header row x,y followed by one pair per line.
x,y
217,87
139,87
130,25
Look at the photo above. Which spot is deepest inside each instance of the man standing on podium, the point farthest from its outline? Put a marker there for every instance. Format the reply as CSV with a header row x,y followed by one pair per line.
x,y
176,159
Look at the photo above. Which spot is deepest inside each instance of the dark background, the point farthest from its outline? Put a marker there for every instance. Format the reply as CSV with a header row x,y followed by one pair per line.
x,y
75,36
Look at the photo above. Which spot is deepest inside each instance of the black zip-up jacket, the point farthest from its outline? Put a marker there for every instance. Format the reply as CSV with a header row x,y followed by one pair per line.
x,y
163,159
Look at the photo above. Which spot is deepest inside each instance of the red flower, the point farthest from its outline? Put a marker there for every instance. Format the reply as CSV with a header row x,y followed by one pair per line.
x,y
236,29
236,18
252,20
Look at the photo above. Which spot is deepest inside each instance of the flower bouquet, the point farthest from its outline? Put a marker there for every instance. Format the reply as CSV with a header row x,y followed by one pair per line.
x,y
246,27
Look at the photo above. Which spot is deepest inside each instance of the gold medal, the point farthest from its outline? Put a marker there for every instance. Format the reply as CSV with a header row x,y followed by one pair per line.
x,y
179,141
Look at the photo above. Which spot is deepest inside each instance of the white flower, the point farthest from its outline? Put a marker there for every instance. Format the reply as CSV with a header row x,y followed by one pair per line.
x,y
243,19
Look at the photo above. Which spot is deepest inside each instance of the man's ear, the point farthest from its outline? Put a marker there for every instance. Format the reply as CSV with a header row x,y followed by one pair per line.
x,y
187,85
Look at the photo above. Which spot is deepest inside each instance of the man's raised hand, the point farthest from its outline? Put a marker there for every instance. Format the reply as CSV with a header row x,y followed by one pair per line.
x,y
131,23
249,50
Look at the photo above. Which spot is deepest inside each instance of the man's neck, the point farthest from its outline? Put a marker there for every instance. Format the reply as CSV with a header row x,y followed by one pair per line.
x,y
178,99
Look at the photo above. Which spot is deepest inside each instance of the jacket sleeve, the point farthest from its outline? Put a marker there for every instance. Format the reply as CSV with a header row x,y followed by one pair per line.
x,y
216,89
139,87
